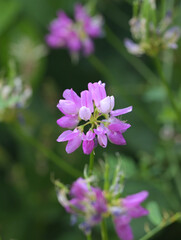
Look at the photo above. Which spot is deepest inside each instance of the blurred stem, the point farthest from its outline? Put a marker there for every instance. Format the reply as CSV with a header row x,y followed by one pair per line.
x,y
91,163
45,151
146,118
104,230
168,89
163,224
139,66
89,237
106,177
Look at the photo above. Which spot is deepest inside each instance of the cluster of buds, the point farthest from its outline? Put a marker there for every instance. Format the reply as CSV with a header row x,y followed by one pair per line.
x,y
92,117
13,95
92,204
75,35
150,34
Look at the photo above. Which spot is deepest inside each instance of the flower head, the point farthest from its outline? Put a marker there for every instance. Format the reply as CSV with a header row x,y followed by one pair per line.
x,y
92,110
92,204
76,35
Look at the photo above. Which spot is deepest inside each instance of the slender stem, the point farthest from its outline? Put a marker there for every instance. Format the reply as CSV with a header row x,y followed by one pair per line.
x,y
138,65
62,164
104,230
89,237
168,89
91,163
164,224
146,117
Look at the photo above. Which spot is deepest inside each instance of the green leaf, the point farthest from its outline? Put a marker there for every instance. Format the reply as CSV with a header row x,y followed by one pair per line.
x,y
9,11
154,213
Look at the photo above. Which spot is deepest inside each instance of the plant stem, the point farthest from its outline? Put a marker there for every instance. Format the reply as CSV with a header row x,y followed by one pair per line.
x,y
89,237
146,118
168,89
104,230
163,224
91,163
45,151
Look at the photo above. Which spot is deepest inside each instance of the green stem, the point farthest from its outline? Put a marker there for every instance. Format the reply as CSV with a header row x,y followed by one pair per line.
x,y
104,230
146,117
164,224
89,237
91,163
168,89
62,164
139,66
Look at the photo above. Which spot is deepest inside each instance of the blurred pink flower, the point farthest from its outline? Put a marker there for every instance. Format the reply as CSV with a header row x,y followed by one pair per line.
x,y
76,35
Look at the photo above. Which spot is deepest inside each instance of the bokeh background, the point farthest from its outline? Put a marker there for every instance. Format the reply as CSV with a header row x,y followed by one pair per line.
x,y
30,157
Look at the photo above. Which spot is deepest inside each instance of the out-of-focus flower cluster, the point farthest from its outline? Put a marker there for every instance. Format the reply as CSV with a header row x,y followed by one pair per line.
x,y
92,117
75,35
92,204
151,35
13,94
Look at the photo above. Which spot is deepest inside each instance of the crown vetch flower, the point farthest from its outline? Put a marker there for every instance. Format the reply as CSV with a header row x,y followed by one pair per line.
x,y
76,35
92,204
96,109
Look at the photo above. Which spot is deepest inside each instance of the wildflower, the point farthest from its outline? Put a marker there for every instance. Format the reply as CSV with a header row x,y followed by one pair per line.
x,y
92,205
13,94
151,35
75,35
92,110
85,201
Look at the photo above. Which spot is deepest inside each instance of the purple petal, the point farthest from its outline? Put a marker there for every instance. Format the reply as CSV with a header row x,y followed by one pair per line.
x,y
135,199
122,111
73,144
68,122
86,100
69,94
93,26
116,138
100,204
88,146
123,228
98,92
137,212
119,127
88,46
80,13
79,188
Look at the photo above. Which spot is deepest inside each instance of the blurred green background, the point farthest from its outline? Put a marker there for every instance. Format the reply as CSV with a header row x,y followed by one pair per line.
x,y
29,153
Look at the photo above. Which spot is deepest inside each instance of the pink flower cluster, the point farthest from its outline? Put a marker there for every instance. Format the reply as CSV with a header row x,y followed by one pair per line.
x,y
95,109
75,35
91,204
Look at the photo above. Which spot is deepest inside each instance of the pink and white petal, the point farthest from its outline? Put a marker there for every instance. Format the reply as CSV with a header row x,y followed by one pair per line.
x,y
102,139
68,122
67,107
86,100
69,94
122,111
73,144
84,113
63,136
